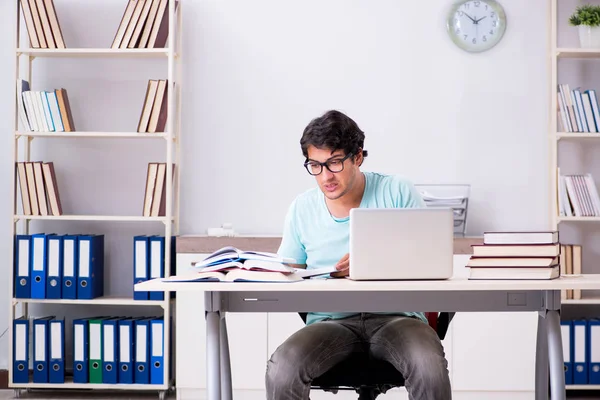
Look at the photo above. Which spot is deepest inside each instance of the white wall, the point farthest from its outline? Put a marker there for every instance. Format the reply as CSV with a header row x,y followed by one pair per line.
x,y
255,73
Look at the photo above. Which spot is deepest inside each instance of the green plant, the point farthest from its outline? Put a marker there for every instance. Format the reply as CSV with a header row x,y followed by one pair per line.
x,y
586,15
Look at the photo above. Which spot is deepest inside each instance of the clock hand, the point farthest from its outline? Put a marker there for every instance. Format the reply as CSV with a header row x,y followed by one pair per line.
x,y
471,18
480,19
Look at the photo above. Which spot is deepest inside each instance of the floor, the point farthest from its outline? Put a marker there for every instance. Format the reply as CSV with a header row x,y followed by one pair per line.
x,y
102,395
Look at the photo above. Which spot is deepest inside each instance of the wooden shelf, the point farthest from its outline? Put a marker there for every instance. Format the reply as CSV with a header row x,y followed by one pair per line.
x,y
582,387
70,385
578,219
158,135
94,52
576,52
121,218
577,135
589,300
104,300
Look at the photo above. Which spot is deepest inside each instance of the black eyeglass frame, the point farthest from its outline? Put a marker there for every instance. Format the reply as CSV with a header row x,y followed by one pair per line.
x,y
325,164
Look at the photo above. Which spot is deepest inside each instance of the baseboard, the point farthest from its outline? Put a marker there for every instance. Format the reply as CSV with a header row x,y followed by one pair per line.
x,y
3,379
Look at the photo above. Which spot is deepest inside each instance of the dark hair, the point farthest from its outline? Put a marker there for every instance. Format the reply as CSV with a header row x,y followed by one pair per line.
x,y
333,130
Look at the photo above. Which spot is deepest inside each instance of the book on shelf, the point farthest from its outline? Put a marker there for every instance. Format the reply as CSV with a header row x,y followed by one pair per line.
x,y
153,117
155,197
145,24
516,255
577,196
43,27
577,110
44,111
571,264
38,188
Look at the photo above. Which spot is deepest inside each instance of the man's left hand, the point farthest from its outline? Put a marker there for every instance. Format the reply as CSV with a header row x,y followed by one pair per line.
x,y
342,266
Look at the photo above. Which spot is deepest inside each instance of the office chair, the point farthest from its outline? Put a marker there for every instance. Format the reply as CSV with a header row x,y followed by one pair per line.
x,y
370,377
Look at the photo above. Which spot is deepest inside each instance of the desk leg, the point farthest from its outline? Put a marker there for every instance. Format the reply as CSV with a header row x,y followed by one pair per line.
x,y
226,389
213,363
541,360
555,356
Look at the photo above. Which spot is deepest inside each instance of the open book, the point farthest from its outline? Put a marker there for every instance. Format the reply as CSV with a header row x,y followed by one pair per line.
x,y
235,275
231,254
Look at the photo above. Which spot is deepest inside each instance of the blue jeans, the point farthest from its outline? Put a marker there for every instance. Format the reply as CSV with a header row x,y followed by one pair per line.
x,y
409,344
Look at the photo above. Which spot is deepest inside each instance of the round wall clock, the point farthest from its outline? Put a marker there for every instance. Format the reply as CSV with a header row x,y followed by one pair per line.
x,y
476,25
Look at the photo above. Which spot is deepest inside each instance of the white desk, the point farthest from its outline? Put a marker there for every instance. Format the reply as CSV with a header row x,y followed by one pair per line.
x,y
457,294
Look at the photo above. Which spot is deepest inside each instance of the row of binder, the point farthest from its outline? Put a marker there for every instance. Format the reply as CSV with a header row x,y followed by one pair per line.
x,y
51,266
106,350
581,351
149,263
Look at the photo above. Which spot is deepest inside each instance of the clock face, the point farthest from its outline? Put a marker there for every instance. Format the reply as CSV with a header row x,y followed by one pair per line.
x,y
476,25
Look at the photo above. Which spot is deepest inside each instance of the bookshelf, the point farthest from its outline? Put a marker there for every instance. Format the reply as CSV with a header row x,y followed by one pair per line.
x,y
572,141
137,19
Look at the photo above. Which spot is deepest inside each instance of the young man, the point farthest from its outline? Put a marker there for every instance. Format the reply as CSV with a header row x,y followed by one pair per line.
x,y
316,234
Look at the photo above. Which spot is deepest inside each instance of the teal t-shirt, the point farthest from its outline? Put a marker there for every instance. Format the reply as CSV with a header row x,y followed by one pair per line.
x,y
314,237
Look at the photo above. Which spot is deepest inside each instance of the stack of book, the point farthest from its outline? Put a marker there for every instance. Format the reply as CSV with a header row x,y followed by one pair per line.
x,y
44,111
38,187
153,117
145,24
516,255
42,24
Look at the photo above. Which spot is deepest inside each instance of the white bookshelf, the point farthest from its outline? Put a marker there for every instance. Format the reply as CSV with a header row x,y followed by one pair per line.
x,y
576,66
23,142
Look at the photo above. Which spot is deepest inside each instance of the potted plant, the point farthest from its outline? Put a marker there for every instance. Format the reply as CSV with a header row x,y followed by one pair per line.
x,y
587,19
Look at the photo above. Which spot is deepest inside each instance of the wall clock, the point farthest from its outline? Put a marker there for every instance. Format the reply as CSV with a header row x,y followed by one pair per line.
x,y
476,25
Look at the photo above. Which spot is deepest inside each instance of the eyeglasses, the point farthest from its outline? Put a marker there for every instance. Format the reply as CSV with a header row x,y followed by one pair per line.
x,y
335,165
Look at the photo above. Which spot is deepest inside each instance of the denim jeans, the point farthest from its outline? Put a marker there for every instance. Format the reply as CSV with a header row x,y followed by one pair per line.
x,y
409,344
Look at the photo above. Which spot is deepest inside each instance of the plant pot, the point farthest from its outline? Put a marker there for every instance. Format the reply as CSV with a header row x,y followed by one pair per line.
x,y
589,36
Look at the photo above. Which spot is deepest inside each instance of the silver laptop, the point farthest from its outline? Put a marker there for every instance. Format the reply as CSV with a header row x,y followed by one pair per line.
x,y
401,243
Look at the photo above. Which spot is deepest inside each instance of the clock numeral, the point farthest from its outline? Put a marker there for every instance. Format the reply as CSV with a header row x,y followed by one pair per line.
x,y
460,13
492,32
457,31
494,24
474,40
466,5
484,38
486,6
477,3
493,14
466,37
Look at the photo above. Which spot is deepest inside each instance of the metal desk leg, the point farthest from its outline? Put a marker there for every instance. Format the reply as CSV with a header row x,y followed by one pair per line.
x,y
541,360
226,389
213,362
555,356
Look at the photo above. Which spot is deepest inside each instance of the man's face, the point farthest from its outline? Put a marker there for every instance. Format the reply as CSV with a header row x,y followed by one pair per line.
x,y
334,185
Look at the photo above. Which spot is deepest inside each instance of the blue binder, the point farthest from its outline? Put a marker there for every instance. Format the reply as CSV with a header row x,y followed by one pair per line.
x,y
55,266
157,263
81,345
110,348
40,349
157,351
70,260
39,254
566,328
56,372
22,266
593,351
142,351
21,350
141,264
580,367
90,271
126,350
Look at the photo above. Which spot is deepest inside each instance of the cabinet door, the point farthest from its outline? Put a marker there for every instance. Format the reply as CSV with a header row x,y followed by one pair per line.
x,y
492,351
247,340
